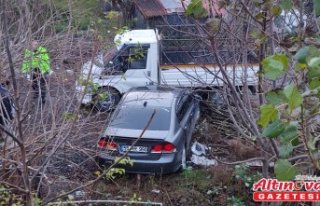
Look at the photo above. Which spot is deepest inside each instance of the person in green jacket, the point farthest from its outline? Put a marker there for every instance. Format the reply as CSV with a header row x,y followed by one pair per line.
x,y
36,64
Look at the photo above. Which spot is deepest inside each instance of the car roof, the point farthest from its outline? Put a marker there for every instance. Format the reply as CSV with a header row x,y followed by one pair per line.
x,y
152,96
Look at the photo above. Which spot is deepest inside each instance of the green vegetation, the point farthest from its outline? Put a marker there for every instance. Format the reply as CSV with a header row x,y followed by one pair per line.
x,y
290,109
7,197
81,13
84,15
196,10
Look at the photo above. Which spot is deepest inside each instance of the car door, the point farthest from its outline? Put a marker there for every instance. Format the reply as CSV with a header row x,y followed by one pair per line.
x,y
185,115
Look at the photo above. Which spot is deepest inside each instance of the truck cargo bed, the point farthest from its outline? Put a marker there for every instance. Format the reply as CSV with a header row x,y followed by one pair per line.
x,y
209,74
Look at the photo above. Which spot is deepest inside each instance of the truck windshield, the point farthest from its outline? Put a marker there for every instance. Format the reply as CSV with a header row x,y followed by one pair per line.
x,y
136,117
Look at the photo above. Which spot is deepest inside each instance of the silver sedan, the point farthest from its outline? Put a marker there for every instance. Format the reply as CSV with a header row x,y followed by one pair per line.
x,y
165,144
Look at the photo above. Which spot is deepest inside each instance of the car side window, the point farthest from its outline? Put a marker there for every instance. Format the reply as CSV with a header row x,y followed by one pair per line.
x,y
183,106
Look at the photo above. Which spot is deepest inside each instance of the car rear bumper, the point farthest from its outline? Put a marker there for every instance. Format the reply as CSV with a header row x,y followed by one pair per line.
x,y
167,163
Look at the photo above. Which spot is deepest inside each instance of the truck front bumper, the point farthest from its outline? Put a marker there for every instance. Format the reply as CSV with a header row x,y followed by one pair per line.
x,y
83,98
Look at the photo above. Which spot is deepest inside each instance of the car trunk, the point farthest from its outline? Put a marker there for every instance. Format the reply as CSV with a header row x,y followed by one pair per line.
x,y
134,133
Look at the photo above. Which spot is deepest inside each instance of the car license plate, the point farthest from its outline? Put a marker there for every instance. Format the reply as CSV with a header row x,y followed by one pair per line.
x,y
125,148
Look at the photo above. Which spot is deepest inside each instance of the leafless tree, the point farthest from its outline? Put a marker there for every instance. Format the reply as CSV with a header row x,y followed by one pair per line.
x,y
52,140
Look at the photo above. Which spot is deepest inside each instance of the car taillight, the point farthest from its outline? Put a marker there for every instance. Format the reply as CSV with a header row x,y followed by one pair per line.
x,y
163,148
156,148
102,143
168,148
107,144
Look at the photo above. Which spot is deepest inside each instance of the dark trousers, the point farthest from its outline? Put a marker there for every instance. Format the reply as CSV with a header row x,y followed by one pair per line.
x,y
39,85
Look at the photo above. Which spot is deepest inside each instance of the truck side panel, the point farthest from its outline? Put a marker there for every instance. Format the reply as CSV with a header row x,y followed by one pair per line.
x,y
207,75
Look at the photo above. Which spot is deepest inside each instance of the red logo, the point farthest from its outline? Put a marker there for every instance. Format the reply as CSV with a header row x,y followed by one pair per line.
x,y
304,189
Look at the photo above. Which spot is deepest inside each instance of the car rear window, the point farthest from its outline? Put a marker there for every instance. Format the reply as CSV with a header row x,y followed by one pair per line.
x,y
134,117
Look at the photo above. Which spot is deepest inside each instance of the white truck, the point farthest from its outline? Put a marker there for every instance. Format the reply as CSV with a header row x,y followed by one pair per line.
x,y
137,62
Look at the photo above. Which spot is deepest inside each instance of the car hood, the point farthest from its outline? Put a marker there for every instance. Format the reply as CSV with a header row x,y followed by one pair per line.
x,y
135,133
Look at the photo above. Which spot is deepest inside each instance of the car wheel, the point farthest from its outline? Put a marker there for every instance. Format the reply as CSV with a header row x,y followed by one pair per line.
x,y
106,99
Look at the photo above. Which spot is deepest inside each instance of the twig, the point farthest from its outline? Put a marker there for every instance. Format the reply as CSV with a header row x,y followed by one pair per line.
x,y
242,161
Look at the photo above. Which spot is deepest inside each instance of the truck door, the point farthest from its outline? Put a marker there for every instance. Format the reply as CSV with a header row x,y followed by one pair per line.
x,y
130,65
135,65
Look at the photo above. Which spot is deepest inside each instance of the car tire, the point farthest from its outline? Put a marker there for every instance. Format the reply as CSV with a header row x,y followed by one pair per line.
x,y
108,103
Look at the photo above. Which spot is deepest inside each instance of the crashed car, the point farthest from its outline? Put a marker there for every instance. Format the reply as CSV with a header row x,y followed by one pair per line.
x,y
165,144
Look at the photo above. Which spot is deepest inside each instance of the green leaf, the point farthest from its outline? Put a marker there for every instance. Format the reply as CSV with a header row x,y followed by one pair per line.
x,y
315,83
313,73
259,16
284,170
294,98
259,37
70,116
195,9
314,62
276,10
316,5
275,66
301,55
300,66
102,95
314,70
285,150
289,134
274,129
283,59
275,97
312,144
295,141
313,52
286,4
268,114
254,34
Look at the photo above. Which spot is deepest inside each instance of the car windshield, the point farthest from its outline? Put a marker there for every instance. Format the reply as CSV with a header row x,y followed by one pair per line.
x,y
136,117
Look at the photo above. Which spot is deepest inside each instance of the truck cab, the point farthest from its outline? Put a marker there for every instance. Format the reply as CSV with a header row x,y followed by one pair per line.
x,y
137,63
136,58
133,64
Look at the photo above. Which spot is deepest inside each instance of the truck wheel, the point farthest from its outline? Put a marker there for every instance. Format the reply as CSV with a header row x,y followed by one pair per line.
x,y
106,99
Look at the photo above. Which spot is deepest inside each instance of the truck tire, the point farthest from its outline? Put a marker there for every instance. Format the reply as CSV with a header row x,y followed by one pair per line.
x,y
106,99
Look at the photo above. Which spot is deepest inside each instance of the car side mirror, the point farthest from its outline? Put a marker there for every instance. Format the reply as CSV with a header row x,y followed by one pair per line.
x,y
109,65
